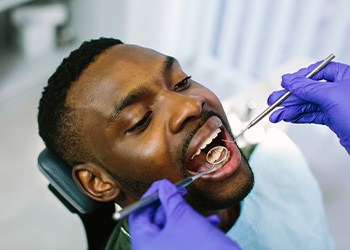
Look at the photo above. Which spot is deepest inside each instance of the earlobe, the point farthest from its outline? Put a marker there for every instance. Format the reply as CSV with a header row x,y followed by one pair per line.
x,y
95,182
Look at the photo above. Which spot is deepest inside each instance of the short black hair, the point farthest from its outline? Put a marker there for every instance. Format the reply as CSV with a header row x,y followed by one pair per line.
x,y
59,124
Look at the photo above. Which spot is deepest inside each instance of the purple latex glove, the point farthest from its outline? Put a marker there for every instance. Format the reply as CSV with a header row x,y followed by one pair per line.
x,y
312,101
173,224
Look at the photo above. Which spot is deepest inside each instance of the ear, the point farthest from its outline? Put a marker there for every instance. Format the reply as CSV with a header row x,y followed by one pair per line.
x,y
95,182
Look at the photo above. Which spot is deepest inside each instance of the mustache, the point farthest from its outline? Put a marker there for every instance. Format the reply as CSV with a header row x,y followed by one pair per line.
x,y
192,130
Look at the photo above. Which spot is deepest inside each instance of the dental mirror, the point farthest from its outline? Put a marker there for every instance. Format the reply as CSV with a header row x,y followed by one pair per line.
x,y
217,155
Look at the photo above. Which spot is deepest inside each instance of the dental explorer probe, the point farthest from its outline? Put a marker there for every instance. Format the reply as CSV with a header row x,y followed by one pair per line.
x,y
183,183
284,97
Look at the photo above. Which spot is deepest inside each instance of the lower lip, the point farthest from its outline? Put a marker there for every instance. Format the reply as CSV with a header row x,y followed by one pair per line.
x,y
229,167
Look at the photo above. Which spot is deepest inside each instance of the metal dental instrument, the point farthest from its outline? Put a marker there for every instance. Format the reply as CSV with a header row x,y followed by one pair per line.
x,y
183,183
284,97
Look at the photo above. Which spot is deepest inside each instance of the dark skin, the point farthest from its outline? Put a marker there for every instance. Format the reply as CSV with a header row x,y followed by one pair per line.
x,y
153,133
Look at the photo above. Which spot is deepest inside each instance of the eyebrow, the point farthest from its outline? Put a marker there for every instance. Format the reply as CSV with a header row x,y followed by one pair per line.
x,y
136,94
168,63
132,97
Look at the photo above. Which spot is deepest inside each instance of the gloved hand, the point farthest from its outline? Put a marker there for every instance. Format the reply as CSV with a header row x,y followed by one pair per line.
x,y
317,102
173,224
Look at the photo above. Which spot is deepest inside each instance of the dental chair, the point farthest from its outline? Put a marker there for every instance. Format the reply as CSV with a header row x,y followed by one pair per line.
x,y
96,216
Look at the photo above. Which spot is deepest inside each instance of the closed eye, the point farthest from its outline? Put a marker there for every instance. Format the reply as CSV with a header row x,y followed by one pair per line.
x,y
142,124
184,84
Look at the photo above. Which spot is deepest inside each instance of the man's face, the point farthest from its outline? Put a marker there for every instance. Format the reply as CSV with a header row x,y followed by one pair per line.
x,y
145,119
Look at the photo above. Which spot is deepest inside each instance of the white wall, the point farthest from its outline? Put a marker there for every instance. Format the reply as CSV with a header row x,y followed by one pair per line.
x,y
155,24
92,19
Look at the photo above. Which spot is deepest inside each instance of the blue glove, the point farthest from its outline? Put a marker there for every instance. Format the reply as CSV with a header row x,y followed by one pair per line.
x,y
326,103
173,224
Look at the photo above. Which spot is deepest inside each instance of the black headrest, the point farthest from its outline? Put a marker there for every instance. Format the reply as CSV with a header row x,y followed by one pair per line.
x,y
60,176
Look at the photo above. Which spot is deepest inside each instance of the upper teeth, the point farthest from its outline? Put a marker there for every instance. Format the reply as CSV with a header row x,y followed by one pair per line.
x,y
207,142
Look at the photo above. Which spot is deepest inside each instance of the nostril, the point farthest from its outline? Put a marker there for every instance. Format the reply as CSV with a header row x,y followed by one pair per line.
x,y
186,109
189,119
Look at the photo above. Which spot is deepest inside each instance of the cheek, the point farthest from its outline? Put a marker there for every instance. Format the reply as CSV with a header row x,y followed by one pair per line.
x,y
215,103
211,99
147,159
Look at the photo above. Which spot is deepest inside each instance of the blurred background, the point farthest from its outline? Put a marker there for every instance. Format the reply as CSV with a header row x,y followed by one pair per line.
x,y
237,48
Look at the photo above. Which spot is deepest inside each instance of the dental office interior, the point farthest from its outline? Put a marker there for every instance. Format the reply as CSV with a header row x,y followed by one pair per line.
x,y
237,48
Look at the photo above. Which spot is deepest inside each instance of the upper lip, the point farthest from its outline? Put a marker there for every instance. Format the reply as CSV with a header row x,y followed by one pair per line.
x,y
204,136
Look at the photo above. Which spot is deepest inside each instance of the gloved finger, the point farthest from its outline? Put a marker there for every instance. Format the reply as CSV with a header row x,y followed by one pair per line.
x,y
153,215
159,217
333,72
303,72
145,216
141,221
294,113
181,191
276,116
152,189
291,100
155,186
214,219
287,84
274,96
285,114
168,190
310,90
316,118
170,199
300,72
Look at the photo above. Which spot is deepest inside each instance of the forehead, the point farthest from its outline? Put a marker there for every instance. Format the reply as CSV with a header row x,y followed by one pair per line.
x,y
128,58
120,66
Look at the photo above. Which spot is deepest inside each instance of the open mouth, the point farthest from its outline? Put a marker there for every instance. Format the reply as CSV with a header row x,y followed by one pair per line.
x,y
213,135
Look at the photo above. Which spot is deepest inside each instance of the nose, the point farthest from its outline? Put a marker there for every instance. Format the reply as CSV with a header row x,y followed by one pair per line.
x,y
184,108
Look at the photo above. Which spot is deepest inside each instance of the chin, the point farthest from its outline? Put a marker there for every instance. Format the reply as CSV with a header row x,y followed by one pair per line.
x,y
229,195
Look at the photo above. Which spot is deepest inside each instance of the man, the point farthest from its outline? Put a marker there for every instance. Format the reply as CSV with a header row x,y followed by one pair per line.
x,y
123,116
312,102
